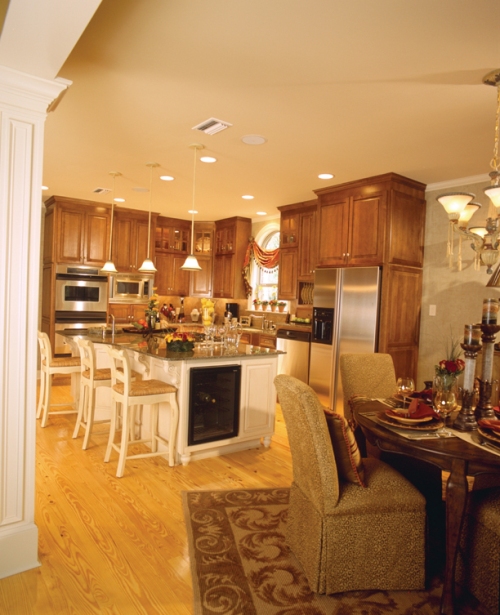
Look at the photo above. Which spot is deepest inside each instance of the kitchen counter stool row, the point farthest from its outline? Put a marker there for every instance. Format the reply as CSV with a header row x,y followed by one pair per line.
x,y
127,390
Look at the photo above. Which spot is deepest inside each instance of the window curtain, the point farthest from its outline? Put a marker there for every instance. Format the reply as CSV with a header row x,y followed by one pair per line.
x,y
267,260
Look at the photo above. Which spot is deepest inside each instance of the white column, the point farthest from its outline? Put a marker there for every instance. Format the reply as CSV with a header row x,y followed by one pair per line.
x,y
24,101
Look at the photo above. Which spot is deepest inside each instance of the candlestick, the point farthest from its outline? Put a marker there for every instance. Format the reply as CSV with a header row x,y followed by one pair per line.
x,y
490,311
466,421
484,408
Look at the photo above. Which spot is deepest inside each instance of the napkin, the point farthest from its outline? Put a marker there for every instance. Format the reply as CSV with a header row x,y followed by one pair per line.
x,y
425,394
493,424
419,410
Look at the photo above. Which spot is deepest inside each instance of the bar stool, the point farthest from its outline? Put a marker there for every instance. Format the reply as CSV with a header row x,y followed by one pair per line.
x,y
131,394
50,365
90,379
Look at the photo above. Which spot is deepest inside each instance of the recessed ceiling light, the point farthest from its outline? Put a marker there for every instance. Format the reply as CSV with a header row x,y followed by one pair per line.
x,y
192,211
45,187
167,178
119,200
326,176
248,197
261,213
253,139
208,159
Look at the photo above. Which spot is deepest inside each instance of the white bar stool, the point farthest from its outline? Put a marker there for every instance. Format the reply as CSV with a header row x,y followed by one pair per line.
x,y
131,394
50,365
90,379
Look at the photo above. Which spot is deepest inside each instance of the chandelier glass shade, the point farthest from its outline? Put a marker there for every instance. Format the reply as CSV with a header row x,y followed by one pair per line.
x,y
191,262
148,265
109,266
460,208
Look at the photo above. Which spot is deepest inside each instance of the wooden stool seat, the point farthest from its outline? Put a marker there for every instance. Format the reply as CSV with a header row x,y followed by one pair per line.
x,y
130,395
49,366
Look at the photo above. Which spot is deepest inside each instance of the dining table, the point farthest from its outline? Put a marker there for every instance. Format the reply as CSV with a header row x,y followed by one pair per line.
x,y
472,464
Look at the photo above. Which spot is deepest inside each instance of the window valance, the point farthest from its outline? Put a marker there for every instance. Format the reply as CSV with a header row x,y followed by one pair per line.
x,y
265,259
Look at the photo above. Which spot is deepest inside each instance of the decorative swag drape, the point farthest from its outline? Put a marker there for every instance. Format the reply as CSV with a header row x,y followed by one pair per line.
x,y
267,260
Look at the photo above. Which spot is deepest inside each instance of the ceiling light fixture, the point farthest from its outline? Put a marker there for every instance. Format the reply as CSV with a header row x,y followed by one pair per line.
x,y
148,266
460,209
109,266
253,140
166,178
326,176
208,159
191,264
247,197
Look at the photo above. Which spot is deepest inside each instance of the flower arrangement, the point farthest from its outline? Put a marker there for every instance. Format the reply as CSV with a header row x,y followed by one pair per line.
x,y
273,302
452,365
152,311
179,342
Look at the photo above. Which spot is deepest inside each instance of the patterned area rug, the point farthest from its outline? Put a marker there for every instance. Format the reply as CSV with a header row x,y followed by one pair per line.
x,y
242,566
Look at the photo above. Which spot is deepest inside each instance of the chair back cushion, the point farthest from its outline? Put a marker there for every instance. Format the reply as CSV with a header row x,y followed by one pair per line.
x,y
345,448
370,374
314,467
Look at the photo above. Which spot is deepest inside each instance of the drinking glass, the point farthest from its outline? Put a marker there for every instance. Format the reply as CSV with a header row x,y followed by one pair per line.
x,y
444,399
406,386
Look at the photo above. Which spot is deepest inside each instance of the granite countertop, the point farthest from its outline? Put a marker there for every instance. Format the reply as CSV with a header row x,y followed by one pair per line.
x,y
155,345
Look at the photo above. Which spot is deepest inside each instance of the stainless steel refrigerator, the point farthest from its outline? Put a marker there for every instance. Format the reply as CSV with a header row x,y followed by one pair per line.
x,y
345,319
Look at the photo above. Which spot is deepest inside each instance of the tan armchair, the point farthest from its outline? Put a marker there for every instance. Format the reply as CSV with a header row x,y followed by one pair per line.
x,y
347,537
369,374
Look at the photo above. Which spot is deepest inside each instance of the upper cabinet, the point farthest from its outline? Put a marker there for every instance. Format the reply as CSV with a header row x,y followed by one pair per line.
x,y
371,222
172,235
76,231
231,241
130,239
200,282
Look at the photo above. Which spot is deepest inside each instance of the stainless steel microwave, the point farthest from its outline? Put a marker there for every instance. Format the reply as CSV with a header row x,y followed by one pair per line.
x,y
130,288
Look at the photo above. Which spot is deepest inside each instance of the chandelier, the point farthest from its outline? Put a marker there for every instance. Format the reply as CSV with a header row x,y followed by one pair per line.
x,y
459,206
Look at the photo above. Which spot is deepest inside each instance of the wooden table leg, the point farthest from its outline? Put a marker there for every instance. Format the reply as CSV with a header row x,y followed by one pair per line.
x,y
456,498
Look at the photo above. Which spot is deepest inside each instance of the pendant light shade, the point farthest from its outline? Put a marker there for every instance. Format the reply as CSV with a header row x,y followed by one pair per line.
x,y
191,263
148,265
109,266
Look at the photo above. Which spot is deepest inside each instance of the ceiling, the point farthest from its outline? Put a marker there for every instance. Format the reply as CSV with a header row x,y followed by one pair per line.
x,y
353,87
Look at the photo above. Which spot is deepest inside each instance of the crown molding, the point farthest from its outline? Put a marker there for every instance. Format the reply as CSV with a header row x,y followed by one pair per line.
x,y
454,183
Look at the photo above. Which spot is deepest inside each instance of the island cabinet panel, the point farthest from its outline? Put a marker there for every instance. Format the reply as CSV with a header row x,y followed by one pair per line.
x,y
76,231
231,241
130,239
257,398
170,279
400,317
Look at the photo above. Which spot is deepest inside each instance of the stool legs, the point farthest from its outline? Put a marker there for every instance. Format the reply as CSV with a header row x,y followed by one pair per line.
x,y
174,422
43,376
46,401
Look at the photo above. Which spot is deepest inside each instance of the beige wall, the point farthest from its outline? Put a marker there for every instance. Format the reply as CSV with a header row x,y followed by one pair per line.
x,y
457,295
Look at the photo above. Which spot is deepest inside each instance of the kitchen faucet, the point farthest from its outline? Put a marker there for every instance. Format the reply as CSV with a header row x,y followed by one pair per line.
x,y
112,316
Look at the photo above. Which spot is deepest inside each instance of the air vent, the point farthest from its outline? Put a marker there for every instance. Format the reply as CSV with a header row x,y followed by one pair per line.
x,y
101,190
211,126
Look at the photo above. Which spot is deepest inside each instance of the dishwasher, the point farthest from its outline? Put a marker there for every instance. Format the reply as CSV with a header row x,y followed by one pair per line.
x,y
296,360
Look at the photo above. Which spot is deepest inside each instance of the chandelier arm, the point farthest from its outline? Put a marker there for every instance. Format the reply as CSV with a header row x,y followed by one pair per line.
x,y
477,242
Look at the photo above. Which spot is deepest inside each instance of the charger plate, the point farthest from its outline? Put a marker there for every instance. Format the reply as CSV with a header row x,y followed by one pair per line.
x,y
432,425
490,435
405,419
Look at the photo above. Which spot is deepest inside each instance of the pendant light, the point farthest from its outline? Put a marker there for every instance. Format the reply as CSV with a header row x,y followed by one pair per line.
x,y
148,266
109,266
191,264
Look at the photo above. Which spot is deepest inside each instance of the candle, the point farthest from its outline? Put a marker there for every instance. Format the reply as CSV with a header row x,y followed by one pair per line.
x,y
490,311
472,335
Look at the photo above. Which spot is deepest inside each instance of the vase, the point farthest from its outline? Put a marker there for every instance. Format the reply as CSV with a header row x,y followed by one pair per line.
x,y
445,393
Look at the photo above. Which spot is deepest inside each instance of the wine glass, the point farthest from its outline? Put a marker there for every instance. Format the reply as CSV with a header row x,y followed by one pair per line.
x,y
444,400
406,386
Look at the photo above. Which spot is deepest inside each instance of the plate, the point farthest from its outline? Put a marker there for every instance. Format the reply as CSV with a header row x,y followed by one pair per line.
x,y
432,425
491,436
406,420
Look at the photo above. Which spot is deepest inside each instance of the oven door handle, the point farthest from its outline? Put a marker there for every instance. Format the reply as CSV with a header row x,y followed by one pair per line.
x,y
81,277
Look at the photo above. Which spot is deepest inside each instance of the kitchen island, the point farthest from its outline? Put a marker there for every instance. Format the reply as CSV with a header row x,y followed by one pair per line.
x,y
255,406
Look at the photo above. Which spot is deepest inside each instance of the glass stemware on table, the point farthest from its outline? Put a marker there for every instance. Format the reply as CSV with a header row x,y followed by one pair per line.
x,y
444,398
405,387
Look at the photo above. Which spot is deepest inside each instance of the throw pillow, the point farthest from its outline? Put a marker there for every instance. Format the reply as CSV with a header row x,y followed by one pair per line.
x,y
345,448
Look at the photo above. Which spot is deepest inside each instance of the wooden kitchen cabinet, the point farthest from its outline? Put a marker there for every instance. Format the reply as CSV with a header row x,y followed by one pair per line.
x,y
127,313
287,277
172,235
170,279
76,231
200,282
130,239
231,241
373,221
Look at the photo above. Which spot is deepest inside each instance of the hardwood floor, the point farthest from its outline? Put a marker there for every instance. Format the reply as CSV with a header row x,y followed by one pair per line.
x,y
118,546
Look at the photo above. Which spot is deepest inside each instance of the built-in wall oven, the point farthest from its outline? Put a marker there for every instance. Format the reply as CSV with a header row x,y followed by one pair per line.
x,y
81,298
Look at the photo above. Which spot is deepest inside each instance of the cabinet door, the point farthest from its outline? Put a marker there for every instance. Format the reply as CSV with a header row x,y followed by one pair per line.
x,y
121,312
180,278
333,223
140,247
258,397
289,230
200,284
70,236
123,236
307,246
223,276
138,310
96,240
163,274
287,280
267,341
367,230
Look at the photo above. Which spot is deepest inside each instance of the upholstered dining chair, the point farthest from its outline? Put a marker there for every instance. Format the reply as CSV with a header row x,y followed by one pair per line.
x,y
478,566
367,374
50,365
347,536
